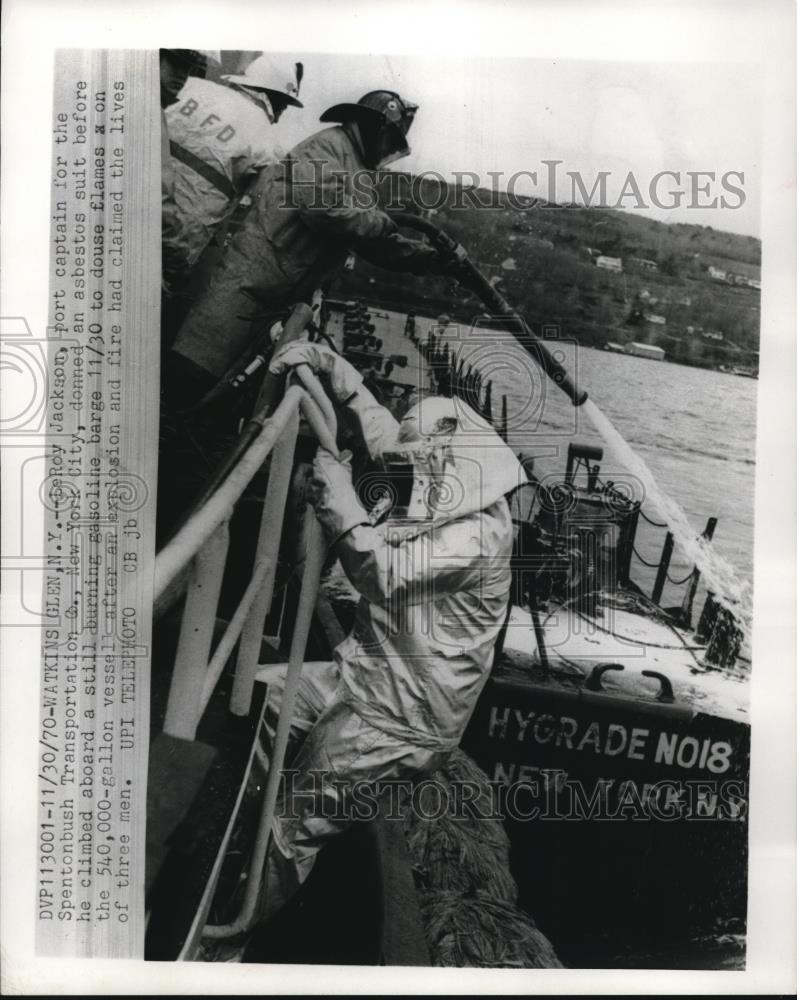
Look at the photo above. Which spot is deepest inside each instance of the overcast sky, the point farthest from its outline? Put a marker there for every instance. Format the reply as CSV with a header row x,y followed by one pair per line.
x,y
508,114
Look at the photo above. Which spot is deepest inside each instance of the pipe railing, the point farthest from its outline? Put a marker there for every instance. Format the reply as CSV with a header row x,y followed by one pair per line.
x,y
311,579
320,414
266,554
203,542
200,547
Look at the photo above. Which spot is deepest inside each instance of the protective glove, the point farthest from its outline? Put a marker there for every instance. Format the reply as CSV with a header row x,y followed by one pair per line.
x,y
333,495
343,379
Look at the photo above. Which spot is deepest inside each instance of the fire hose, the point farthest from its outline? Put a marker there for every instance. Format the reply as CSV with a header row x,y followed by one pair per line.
x,y
474,280
470,277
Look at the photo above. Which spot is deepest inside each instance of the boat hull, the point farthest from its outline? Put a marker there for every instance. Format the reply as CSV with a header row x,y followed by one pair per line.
x,y
628,818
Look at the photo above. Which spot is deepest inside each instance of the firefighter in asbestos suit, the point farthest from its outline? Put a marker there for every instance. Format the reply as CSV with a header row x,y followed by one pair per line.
x,y
433,573
175,66
311,210
220,135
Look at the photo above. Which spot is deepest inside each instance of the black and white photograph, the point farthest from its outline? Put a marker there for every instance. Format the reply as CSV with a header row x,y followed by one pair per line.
x,y
399,534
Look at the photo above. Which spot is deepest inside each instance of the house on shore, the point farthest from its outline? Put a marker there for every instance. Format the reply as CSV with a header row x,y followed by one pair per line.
x,y
645,351
643,264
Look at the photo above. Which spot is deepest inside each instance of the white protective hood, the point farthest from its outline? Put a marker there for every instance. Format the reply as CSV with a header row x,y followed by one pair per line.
x,y
461,465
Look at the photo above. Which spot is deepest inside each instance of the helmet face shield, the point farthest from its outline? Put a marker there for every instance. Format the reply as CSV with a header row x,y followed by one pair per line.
x,y
408,116
399,478
445,463
392,143
388,145
414,481
383,119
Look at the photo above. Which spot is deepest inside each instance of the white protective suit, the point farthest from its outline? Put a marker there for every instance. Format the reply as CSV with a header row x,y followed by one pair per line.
x,y
404,683
219,139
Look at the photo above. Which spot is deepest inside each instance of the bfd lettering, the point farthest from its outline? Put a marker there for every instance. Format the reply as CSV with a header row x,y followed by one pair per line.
x,y
189,107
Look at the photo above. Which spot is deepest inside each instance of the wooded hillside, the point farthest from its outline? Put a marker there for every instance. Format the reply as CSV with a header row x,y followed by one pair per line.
x,y
685,288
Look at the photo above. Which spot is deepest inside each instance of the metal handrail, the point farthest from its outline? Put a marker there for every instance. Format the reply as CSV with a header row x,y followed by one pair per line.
x,y
320,414
311,579
179,552
266,552
200,541
201,546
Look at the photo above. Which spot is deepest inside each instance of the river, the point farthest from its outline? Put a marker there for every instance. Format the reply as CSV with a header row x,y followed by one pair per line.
x,y
694,428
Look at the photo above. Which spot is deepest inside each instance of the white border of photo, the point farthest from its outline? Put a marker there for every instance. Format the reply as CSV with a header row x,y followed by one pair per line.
x,y
760,40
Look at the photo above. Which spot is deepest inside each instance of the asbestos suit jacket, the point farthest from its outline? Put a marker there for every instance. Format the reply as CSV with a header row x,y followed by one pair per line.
x,y
433,602
219,138
309,211
171,225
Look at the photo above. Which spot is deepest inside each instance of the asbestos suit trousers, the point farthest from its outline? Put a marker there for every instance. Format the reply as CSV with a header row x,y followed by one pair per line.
x,y
340,757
